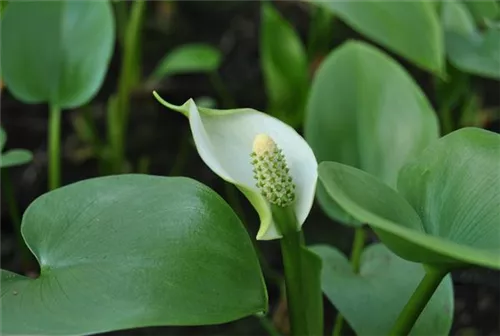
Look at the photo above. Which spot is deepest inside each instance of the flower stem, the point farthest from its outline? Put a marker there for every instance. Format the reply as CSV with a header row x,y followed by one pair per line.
x,y
357,248
291,254
418,300
54,147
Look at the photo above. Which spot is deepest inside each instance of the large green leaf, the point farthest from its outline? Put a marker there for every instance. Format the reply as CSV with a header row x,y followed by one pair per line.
x,y
56,51
372,300
409,28
364,110
450,214
468,49
187,59
129,251
284,66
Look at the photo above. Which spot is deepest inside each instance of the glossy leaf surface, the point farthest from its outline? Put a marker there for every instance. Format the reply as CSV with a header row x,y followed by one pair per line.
x,y
372,300
418,36
467,48
128,251
57,51
364,110
447,209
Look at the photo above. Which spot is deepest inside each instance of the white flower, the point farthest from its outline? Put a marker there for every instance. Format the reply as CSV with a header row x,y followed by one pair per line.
x,y
224,140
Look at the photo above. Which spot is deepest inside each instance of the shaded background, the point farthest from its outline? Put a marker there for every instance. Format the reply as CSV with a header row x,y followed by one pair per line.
x,y
157,137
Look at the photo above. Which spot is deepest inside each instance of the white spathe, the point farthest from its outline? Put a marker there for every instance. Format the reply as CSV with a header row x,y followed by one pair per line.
x,y
224,140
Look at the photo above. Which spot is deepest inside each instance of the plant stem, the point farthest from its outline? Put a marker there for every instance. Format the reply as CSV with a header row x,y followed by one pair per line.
x,y
418,300
120,8
54,147
356,251
290,249
339,323
357,248
127,80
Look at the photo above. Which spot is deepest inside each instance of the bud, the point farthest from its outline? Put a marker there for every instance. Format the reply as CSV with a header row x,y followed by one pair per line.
x,y
271,172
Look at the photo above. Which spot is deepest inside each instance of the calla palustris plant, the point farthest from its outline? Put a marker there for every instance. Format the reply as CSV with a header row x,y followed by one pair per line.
x,y
444,213
274,167
224,140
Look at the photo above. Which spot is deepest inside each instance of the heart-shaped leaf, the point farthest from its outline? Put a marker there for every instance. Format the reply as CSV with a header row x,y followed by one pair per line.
x,y
129,251
418,36
364,110
448,207
372,300
468,49
56,51
187,59
284,66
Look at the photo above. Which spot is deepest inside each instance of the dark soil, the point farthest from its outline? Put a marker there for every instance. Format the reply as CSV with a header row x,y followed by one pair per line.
x,y
157,134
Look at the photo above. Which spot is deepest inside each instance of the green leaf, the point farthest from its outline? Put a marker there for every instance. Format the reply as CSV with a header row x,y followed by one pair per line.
x,y
56,52
483,9
15,157
188,58
372,300
476,54
409,28
468,49
130,251
284,66
450,214
364,110
456,18
312,299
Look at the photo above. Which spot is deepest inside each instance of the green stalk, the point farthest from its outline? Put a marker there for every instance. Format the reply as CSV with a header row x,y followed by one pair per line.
x,y
357,249
126,82
418,300
54,147
120,8
290,249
